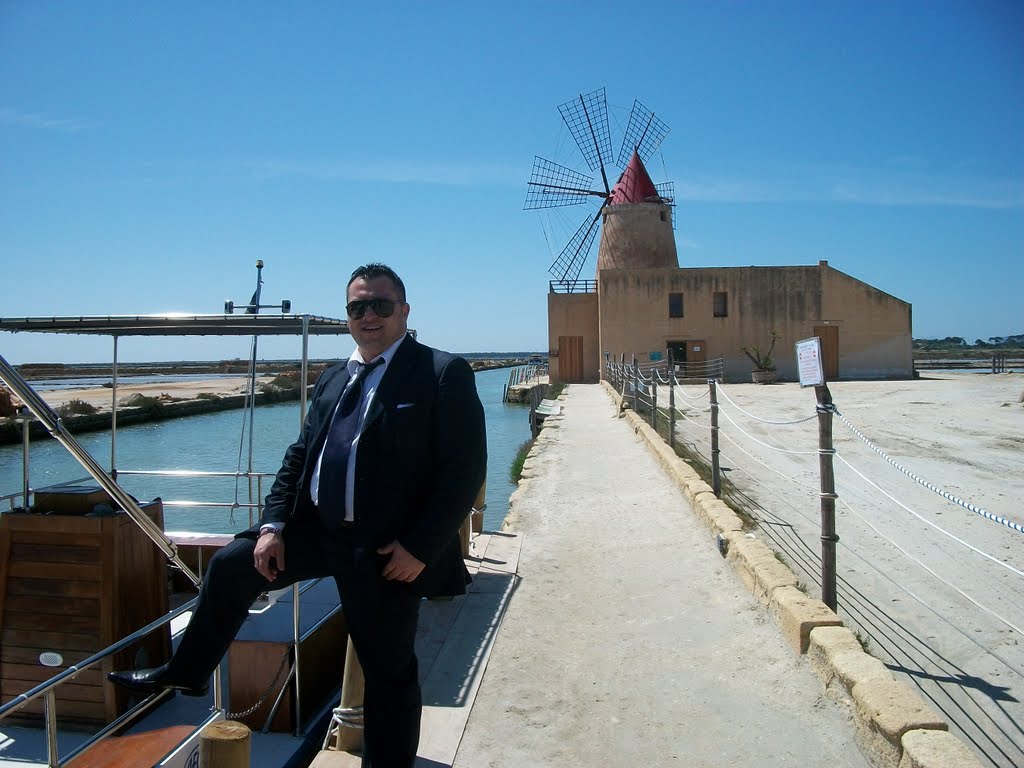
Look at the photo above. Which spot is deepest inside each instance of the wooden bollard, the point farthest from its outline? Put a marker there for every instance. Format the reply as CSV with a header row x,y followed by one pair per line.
x,y
479,504
224,744
352,688
474,522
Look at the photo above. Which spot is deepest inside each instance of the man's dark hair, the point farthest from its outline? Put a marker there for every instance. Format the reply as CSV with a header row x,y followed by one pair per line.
x,y
374,270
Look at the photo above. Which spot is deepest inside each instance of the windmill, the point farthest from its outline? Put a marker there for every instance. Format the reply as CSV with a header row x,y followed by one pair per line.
x,y
553,185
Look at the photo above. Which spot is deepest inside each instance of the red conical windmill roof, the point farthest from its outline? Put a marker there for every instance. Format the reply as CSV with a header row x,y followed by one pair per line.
x,y
634,185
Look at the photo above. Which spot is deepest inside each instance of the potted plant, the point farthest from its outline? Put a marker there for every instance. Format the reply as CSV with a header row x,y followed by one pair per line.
x,y
764,366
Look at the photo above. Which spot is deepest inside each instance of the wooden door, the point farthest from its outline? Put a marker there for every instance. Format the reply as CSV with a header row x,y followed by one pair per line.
x,y
829,335
570,359
696,356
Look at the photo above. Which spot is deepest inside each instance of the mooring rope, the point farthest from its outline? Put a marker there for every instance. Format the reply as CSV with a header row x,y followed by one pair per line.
x,y
921,481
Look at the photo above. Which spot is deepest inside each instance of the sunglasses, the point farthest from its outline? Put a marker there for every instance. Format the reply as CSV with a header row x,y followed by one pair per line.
x,y
381,307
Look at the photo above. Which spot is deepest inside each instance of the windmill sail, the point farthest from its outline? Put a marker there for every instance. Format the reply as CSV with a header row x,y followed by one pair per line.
x,y
570,261
552,185
587,119
644,134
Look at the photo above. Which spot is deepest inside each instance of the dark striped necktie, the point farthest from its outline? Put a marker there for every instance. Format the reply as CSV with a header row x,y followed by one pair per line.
x,y
334,462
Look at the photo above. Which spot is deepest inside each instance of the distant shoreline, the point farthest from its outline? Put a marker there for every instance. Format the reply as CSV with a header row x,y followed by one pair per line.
x,y
36,371
172,399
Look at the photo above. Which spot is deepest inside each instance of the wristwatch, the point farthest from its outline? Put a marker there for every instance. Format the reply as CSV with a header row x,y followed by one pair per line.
x,y
270,528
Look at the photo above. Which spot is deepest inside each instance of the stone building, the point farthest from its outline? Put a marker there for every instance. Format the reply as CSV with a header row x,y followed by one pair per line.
x,y
643,304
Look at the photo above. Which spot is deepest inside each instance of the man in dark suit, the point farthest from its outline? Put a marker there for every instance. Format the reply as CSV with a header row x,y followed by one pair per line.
x,y
387,466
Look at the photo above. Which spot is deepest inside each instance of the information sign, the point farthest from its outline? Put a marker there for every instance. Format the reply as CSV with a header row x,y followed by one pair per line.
x,y
808,362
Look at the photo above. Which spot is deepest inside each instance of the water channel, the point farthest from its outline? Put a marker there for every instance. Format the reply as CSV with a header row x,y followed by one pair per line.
x,y
214,442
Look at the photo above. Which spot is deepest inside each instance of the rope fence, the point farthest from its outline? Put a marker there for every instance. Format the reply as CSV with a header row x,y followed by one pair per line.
x,y
652,390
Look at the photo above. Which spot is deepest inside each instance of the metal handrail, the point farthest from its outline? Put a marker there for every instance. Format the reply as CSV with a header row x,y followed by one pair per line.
x,y
191,473
47,689
42,411
24,698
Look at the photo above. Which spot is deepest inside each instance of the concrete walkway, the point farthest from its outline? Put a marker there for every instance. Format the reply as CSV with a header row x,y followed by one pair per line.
x,y
628,639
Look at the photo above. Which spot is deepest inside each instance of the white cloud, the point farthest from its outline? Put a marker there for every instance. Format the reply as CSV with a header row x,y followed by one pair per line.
x,y
860,187
389,171
16,117
930,192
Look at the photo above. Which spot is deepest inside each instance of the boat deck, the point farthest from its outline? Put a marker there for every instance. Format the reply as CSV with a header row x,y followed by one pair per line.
x,y
453,644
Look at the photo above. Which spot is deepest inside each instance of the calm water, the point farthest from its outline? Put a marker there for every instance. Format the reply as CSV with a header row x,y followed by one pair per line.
x,y
211,442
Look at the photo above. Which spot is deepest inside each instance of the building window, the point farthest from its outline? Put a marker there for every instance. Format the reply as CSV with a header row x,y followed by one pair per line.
x,y
675,305
721,304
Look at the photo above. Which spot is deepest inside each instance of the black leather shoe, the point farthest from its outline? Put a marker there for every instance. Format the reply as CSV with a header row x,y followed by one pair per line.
x,y
149,681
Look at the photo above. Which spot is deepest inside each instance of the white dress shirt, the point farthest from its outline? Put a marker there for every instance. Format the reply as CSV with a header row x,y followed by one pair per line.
x,y
369,390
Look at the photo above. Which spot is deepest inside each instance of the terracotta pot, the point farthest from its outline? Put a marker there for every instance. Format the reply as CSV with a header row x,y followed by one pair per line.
x,y
768,376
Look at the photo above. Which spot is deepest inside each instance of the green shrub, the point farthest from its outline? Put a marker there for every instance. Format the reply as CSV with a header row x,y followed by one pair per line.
x,y
6,404
515,472
142,402
286,381
76,407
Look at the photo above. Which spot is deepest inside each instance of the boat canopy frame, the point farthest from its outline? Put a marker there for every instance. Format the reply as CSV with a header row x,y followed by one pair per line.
x,y
169,324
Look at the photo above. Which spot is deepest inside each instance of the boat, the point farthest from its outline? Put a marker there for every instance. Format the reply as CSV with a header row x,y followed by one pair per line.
x,y
96,583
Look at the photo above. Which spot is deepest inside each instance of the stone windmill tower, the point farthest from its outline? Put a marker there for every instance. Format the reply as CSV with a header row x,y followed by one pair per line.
x,y
637,214
636,219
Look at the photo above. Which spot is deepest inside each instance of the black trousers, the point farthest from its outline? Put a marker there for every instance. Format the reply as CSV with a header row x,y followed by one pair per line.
x,y
381,617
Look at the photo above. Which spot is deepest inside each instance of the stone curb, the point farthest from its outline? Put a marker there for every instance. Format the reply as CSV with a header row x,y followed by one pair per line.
x,y
894,725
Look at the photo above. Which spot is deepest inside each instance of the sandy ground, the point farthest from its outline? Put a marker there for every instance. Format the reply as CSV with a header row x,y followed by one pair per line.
x,y
629,640
178,390
945,611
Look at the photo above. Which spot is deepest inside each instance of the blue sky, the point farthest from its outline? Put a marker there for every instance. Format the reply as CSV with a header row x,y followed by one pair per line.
x,y
151,152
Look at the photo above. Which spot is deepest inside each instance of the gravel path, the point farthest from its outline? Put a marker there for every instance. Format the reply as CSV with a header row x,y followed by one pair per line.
x,y
629,640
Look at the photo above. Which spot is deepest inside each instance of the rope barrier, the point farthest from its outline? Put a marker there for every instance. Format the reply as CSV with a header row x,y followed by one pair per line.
x,y
1009,567
705,393
766,445
924,520
765,465
921,481
702,424
721,391
866,561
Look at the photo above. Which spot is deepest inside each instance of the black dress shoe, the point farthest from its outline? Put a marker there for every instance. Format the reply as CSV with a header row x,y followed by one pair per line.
x,y
149,681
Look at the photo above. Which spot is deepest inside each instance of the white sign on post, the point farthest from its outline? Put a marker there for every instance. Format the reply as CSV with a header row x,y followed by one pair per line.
x,y
808,362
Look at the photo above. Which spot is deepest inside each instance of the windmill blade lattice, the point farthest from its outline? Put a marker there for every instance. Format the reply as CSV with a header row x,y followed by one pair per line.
x,y
552,185
587,119
570,261
644,133
667,190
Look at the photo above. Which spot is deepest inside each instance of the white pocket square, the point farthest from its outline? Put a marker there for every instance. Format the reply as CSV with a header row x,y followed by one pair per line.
x,y
400,406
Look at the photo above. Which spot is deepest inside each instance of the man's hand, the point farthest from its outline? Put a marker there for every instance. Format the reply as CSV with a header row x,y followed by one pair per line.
x,y
402,566
269,555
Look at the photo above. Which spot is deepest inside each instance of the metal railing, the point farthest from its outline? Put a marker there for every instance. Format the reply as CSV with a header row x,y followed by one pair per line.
x,y
47,690
38,408
572,286
523,374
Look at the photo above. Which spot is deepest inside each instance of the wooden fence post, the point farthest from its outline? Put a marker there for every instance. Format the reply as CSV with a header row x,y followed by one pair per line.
x,y
716,469
636,385
654,399
224,744
671,402
828,497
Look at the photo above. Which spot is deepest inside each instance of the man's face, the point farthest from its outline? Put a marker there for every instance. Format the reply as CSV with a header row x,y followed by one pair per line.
x,y
373,333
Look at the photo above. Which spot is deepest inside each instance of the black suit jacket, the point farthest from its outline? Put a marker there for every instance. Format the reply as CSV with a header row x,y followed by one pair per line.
x,y
421,460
